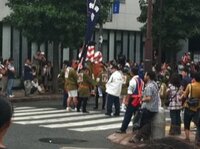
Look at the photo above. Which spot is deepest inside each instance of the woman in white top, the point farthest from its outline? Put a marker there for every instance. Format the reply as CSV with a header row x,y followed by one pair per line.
x,y
175,104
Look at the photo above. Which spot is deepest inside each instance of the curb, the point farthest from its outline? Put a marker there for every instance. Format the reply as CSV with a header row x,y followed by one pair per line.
x,y
123,139
36,98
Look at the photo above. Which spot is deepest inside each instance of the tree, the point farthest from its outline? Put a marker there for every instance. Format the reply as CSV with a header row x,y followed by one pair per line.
x,y
172,20
50,20
60,22
105,6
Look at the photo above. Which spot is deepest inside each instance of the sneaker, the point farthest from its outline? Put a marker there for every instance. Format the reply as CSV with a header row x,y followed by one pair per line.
x,y
116,115
68,109
108,114
123,110
11,96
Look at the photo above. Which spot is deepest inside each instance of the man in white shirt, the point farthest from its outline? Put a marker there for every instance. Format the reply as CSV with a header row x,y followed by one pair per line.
x,y
113,90
134,92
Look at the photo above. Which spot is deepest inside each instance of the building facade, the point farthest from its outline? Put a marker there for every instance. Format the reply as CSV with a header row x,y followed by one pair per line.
x,y
121,35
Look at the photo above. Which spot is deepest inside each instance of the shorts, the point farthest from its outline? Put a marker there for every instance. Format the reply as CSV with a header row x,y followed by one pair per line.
x,y
188,117
73,93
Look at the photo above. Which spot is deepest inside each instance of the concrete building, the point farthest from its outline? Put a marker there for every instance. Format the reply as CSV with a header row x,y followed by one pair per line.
x,y
121,35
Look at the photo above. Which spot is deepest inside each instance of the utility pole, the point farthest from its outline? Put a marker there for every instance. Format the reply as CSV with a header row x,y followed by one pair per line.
x,y
160,36
148,53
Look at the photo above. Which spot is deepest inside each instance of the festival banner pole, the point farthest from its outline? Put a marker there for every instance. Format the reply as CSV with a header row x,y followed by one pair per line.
x,y
92,17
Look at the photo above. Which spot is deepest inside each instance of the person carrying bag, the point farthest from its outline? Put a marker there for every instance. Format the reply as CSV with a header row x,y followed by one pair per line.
x,y
192,102
192,107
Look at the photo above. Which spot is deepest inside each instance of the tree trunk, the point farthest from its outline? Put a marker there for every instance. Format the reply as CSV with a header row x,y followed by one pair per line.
x,y
55,65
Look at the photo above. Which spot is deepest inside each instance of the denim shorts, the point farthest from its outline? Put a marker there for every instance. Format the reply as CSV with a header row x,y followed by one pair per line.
x,y
189,116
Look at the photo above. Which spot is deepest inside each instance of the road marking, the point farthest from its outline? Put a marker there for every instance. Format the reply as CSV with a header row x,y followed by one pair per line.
x,y
33,110
75,121
98,127
83,123
39,112
22,108
66,119
45,116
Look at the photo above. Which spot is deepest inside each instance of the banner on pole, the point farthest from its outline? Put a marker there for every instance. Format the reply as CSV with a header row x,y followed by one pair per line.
x,y
92,17
116,5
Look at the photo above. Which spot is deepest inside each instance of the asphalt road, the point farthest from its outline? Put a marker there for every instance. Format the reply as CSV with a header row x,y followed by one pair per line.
x,y
46,125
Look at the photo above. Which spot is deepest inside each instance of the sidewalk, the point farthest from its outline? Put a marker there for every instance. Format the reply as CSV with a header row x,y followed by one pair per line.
x,y
123,139
20,96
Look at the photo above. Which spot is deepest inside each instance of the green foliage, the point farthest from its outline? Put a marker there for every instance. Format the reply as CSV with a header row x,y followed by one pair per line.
x,y
105,6
49,20
172,20
53,20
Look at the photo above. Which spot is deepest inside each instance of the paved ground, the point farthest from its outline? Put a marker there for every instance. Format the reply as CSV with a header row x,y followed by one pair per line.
x,y
123,139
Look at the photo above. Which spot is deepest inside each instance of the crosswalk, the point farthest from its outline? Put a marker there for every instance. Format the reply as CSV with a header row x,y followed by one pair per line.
x,y
58,118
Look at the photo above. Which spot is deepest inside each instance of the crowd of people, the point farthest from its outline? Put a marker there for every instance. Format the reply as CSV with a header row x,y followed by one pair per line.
x,y
120,83
37,75
130,89
7,75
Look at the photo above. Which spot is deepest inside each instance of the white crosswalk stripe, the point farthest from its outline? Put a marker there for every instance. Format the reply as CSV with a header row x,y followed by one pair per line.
x,y
32,110
65,119
56,118
99,127
83,123
75,121
22,108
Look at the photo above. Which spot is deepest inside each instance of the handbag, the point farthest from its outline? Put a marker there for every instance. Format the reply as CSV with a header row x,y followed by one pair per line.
x,y
137,119
169,98
192,102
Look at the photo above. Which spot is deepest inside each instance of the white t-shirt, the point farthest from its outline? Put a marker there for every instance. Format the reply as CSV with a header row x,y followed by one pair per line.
x,y
132,85
114,84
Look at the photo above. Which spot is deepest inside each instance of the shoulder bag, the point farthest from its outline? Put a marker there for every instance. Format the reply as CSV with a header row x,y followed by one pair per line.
x,y
169,98
192,102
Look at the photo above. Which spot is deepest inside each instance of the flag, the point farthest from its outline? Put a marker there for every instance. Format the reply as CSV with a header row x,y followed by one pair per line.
x,y
92,17
116,4
90,53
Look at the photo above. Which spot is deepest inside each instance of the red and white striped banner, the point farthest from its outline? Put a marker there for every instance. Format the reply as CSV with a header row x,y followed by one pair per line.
x,y
90,53
98,57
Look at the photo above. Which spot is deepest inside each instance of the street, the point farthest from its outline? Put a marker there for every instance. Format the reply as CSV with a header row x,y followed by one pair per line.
x,y
46,125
